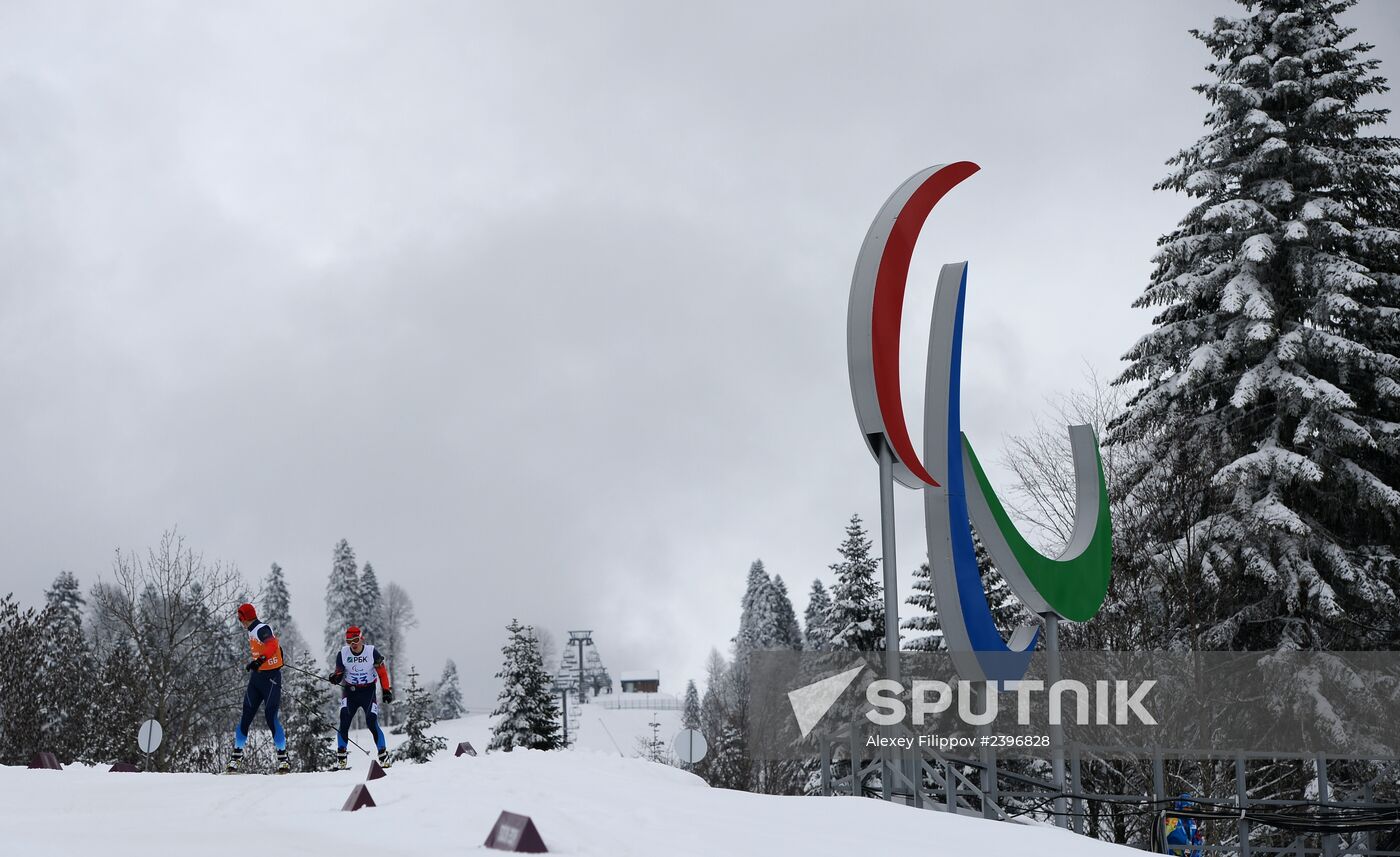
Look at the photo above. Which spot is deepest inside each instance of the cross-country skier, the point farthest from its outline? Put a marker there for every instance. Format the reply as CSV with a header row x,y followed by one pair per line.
x,y
356,668
264,688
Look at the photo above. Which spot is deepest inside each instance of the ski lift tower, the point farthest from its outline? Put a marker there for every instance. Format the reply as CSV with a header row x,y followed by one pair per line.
x,y
581,639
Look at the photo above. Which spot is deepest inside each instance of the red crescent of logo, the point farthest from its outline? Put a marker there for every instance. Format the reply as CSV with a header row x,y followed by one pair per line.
x,y
888,310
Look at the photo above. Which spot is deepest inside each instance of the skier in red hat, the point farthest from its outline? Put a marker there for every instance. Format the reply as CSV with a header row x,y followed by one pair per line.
x,y
357,667
264,688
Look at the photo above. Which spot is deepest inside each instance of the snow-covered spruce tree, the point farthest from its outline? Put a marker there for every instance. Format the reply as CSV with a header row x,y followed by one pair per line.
x,y
652,747
756,598
528,716
930,634
857,618
66,595
61,670
342,597
760,626
275,608
774,621
1274,364
306,718
730,767
447,693
767,623
1007,610
419,718
275,601
790,635
119,696
21,720
816,630
690,714
726,764
714,711
371,603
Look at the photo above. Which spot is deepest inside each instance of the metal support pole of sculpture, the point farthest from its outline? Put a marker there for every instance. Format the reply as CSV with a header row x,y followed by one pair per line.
x,y
887,559
1057,732
894,758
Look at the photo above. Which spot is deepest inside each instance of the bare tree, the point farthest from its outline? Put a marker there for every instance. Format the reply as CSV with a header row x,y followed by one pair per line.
x,y
549,650
399,618
1043,461
103,629
178,611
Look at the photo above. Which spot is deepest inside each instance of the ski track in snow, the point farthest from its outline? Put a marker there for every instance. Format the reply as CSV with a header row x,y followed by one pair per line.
x,y
583,801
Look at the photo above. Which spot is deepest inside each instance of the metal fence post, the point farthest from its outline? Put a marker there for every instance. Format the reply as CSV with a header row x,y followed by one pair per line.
x,y
990,800
950,786
825,744
1159,788
1242,799
1373,840
915,766
855,761
887,759
1324,794
1077,820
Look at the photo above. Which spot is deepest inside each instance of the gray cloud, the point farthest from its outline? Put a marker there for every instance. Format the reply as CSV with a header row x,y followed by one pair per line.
x,y
540,305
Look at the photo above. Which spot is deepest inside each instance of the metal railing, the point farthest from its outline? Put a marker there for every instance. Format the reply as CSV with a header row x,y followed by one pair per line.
x,y
1328,826
619,703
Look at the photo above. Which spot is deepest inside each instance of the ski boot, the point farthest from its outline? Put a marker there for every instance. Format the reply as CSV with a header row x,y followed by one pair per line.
x,y
385,759
282,766
340,763
234,760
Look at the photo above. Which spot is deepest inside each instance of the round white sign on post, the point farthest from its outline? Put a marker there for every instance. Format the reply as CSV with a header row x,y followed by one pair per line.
x,y
689,746
148,737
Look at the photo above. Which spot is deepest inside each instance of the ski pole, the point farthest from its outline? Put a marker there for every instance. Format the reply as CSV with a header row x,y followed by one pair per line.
x,y
304,672
357,745
320,677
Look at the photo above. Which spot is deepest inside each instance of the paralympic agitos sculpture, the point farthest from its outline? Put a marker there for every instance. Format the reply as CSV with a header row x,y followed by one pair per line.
x,y
957,494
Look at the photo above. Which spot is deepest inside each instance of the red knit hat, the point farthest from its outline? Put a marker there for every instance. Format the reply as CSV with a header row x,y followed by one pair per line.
x,y
246,613
352,632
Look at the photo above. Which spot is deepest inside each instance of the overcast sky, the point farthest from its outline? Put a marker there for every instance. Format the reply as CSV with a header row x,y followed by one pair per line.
x,y
542,306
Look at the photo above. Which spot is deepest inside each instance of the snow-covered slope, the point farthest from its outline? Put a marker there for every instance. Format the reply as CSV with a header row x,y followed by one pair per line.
x,y
596,726
584,802
617,731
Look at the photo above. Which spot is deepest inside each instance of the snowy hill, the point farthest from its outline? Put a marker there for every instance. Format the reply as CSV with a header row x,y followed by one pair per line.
x,y
595,726
584,802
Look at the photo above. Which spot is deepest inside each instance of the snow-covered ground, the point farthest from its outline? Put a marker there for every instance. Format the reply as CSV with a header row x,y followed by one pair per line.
x,y
585,802
617,731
